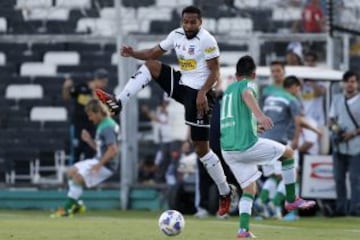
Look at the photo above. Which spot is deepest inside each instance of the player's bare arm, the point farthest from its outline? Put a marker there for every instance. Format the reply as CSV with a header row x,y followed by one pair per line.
x,y
144,54
201,100
305,124
110,153
251,102
86,137
297,132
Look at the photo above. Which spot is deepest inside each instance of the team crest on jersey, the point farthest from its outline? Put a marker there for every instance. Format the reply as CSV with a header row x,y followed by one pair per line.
x,y
210,49
191,50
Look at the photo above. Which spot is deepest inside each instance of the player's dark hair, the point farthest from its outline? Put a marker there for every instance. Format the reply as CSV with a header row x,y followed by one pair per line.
x,y
277,62
348,74
96,106
245,66
291,81
192,9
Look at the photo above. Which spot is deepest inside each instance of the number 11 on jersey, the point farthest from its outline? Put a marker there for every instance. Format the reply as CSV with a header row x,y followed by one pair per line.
x,y
226,107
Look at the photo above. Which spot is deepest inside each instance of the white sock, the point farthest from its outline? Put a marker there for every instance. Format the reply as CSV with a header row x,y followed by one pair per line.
x,y
75,190
245,205
197,189
138,81
270,185
281,188
216,172
289,175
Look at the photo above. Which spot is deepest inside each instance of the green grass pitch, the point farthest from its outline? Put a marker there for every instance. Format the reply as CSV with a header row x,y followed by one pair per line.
x,y
137,225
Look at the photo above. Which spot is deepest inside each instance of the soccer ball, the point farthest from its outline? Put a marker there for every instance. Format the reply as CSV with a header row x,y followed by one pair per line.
x,y
171,222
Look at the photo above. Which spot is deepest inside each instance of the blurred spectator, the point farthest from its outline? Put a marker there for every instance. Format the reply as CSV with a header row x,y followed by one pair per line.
x,y
309,140
187,162
313,20
345,125
313,94
162,137
80,94
294,55
147,170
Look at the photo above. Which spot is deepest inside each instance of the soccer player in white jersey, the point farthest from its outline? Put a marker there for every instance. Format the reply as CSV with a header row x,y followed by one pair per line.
x,y
198,57
243,150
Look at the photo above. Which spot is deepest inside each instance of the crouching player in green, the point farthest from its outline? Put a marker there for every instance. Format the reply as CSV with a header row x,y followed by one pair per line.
x,y
243,150
91,172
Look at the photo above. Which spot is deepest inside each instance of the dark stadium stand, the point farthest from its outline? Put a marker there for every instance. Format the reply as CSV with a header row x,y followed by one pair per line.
x,y
23,140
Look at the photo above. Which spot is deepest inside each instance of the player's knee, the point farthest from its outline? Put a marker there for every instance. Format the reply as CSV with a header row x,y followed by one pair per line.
x,y
77,178
154,67
250,189
289,153
201,148
70,172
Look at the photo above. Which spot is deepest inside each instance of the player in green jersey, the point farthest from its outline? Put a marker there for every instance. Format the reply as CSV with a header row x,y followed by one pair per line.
x,y
243,150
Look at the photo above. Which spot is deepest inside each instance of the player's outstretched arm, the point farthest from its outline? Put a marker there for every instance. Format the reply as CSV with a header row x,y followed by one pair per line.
x,y
251,102
145,54
305,124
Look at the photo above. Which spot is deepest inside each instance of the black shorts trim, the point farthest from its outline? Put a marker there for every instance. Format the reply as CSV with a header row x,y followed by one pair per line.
x,y
197,125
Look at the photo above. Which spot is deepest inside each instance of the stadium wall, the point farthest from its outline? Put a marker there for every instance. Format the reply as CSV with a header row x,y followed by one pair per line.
x,y
140,199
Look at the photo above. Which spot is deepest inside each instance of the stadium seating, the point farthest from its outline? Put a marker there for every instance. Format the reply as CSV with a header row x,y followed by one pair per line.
x,y
3,24
82,4
62,58
40,66
2,59
37,69
53,13
24,91
29,4
44,114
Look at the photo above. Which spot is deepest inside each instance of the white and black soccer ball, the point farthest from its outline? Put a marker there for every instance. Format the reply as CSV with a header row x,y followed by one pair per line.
x,y
171,222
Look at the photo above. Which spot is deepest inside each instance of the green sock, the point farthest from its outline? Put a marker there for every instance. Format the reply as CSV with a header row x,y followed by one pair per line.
x,y
264,195
288,170
290,192
279,199
244,221
246,203
69,204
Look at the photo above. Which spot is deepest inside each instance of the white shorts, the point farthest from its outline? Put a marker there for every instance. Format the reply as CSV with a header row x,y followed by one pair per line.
x,y
92,179
244,164
271,169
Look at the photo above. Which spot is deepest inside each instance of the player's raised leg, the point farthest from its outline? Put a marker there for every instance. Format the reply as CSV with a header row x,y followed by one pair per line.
x,y
139,80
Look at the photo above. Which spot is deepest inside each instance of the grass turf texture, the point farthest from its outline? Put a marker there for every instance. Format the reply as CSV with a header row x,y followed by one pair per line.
x,y
135,225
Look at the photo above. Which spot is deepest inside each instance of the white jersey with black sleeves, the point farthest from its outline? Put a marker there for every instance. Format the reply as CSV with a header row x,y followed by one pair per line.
x,y
192,55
